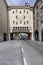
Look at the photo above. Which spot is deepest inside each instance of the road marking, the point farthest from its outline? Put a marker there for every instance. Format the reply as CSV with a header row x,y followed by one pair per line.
x,y
22,50
25,63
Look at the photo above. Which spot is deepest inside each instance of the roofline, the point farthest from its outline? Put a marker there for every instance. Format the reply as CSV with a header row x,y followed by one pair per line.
x,y
20,7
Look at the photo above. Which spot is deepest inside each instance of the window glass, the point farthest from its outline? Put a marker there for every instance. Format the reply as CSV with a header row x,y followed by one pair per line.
x,y
13,12
13,21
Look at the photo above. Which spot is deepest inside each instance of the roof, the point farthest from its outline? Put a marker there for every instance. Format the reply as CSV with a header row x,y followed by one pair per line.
x,y
20,7
26,6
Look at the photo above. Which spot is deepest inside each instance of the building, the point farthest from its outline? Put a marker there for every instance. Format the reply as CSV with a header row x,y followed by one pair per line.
x,y
38,20
3,20
21,20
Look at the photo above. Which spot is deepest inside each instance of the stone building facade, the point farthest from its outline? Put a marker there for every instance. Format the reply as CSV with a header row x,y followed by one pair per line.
x,y
38,20
21,20
3,20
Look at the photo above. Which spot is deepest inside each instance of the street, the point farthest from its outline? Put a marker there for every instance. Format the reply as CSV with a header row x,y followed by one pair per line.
x,y
10,53
21,32
32,53
21,52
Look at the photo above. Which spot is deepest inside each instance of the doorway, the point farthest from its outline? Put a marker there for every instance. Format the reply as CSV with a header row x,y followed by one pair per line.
x,y
36,35
4,37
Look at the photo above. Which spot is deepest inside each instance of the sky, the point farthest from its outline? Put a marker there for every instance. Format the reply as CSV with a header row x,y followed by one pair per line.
x,y
20,2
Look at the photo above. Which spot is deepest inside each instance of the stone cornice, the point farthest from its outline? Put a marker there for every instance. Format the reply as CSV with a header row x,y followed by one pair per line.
x,y
20,7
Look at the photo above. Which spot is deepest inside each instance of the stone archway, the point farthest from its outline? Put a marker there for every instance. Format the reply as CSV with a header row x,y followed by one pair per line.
x,y
36,35
42,35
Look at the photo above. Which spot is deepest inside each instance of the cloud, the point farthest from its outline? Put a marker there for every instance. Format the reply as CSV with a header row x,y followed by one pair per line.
x,y
19,2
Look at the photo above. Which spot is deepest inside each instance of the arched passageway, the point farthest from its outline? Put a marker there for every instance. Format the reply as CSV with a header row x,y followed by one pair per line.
x,y
36,35
20,36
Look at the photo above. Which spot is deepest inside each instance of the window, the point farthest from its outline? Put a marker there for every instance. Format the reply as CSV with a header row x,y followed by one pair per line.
x,y
20,12
16,11
27,12
16,23
13,28
24,11
16,17
24,23
13,12
41,21
34,18
24,17
20,22
27,22
42,17
23,27
18,28
33,12
27,27
13,21
41,9
37,8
